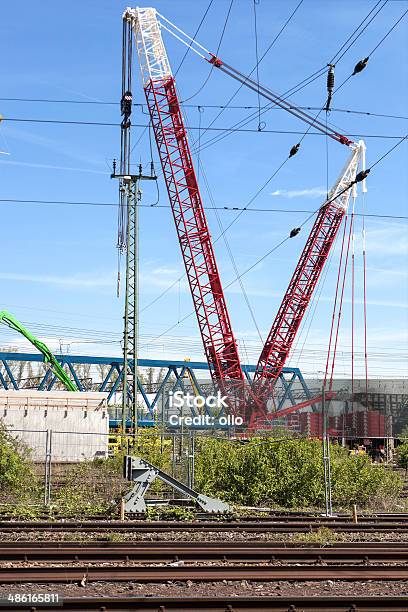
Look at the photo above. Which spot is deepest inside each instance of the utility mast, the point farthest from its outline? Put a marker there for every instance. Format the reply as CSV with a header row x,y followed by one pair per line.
x,y
128,241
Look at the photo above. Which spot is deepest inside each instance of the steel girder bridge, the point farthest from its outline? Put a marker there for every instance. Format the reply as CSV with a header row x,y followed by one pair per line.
x,y
176,375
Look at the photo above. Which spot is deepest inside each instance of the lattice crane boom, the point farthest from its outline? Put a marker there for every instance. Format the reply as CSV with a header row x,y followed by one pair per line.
x,y
188,212
305,278
191,225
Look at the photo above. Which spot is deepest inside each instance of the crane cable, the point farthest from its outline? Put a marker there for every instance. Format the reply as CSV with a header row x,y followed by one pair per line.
x,y
316,74
340,309
284,94
365,300
228,247
335,59
218,48
352,300
282,242
260,60
210,195
255,2
361,65
196,32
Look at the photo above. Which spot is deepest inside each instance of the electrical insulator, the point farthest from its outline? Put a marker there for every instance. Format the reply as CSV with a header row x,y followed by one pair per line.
x,y
294,232
330,78
362,175
294,150
360,65
330,86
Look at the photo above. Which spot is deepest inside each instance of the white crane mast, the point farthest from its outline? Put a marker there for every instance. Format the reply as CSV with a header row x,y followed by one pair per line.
x,y
151,51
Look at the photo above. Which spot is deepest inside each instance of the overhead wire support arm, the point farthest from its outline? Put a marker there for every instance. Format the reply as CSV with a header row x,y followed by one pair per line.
x,y
281,102
251,83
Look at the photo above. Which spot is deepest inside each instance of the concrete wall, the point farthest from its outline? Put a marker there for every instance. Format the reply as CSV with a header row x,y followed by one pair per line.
x,y
77,423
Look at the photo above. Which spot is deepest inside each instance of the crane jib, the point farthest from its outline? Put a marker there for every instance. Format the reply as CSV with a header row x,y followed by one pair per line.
x,y
195,241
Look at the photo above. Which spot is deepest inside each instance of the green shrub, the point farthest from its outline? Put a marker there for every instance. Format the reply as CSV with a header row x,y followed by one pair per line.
x,y
402,455
16,473
289,473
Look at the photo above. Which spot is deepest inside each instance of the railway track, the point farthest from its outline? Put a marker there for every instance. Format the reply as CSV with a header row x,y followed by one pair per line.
x,y
48,574
225,604
271,515
168,552
253,526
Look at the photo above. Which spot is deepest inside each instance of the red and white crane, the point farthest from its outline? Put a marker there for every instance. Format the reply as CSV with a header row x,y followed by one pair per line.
x,y
188,211
304,280
193,233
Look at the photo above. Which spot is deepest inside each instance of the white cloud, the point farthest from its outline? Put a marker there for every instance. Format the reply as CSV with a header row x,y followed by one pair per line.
x,y
52,144
391,240
106,280
299,193
165,271
50,167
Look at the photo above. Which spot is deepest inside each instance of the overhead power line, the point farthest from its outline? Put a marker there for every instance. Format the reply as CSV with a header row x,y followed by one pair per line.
x,y
207,106
191,127
256,67
279,244
363,63
157,206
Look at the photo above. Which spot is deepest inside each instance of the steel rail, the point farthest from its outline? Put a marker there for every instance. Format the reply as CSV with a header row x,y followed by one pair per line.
x,y
202,516
278,526
199,552
226,604
210,573
187,544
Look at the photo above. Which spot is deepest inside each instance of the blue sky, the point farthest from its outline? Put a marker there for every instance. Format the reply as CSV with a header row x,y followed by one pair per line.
x,y
58,263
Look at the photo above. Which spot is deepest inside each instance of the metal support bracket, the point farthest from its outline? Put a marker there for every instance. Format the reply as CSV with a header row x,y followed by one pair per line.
x,y
143,473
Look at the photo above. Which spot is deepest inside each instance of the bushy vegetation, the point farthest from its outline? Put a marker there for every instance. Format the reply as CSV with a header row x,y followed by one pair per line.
x,y
402,455
90,488
95,487
285,472
16,474
289,473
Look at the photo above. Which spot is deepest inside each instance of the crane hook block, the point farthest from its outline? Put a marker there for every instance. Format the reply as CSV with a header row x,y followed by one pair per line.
x,y
294,232
126,105
360,66
294,150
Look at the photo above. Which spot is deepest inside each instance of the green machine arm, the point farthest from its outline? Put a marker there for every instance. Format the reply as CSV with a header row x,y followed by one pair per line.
x,y
12,323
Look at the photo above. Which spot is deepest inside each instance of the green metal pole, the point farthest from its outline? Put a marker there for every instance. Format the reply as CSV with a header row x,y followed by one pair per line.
x,y
137,198
129,204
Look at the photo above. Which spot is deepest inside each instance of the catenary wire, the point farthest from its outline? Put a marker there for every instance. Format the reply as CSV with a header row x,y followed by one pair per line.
x,y
282,242
318,73
225,208
212,106
229,130
260,60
